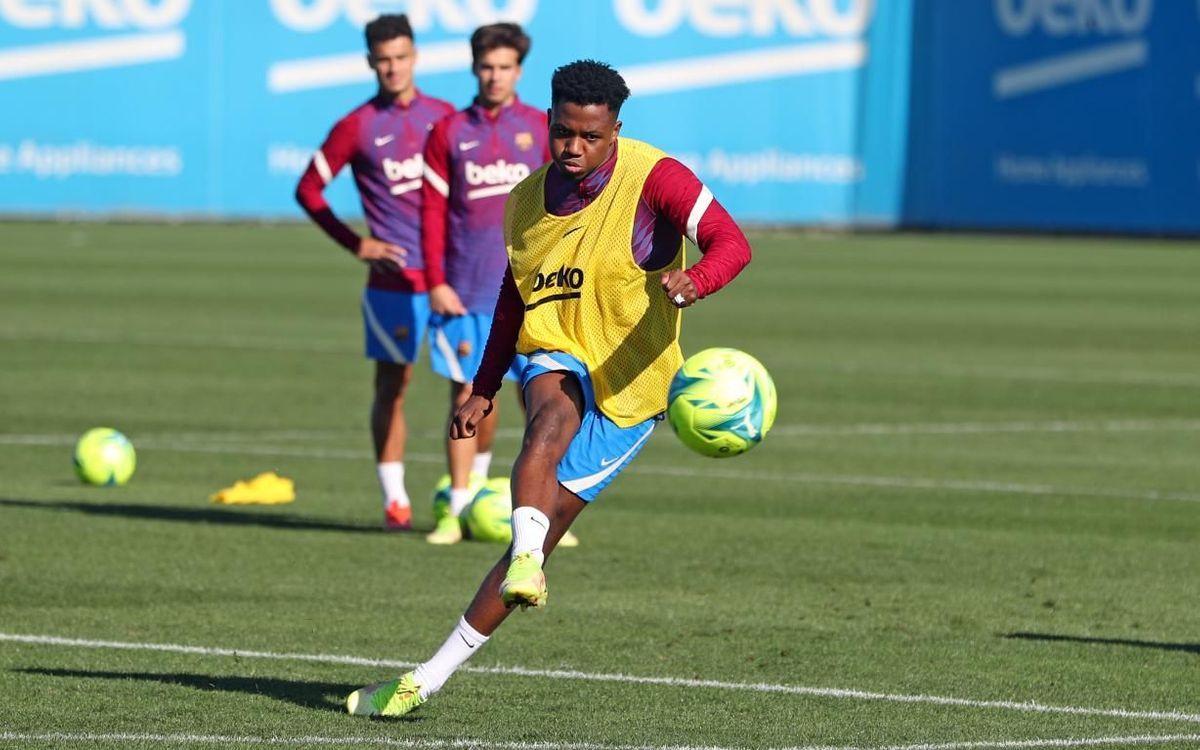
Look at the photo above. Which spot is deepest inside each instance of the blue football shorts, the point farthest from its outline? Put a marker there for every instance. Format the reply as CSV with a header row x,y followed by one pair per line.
x,y
601,450
456,344
394,323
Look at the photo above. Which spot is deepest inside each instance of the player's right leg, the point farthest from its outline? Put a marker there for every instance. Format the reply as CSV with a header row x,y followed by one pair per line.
x,y
394,324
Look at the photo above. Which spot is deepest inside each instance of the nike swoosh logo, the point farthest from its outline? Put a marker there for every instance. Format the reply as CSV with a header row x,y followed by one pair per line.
x,y
569,231
464,640
607,461
467,145
384,140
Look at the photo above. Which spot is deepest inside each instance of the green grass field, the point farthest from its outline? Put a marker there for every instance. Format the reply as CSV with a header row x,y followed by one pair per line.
x,y
975,525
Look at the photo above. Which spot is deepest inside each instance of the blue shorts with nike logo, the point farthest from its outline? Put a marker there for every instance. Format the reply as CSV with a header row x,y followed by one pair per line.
x,y
601,449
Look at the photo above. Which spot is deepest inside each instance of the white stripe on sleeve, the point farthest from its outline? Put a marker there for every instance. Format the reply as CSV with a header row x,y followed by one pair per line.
x,y
322,166
703,201
435,179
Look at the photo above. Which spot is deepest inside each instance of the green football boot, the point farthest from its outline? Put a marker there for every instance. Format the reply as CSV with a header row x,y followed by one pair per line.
x,y
391,698
447,531
525,583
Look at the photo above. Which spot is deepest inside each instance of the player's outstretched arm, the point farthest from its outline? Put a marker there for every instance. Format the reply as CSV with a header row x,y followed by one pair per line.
x,y
502,339
468,417
676,193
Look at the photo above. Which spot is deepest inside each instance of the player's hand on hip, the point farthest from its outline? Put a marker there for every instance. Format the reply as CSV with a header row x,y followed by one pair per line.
x,y
443,300
380,253
678,287
468,417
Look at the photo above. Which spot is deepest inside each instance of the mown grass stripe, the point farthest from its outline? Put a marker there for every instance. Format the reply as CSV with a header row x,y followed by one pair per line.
x,y
561,674
466,744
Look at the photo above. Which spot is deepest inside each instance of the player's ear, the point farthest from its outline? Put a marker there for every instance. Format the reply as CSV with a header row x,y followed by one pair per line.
x,y
616,128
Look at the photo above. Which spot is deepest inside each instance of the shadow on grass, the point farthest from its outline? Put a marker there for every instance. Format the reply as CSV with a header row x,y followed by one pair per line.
x,y
239,517
321,696
1187,648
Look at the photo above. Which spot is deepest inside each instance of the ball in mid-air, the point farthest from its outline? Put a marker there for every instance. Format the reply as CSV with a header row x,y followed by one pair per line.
x,y
489,516
104,457
721,402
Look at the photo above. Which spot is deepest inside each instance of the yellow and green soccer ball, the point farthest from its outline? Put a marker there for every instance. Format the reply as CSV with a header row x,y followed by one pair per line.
x,y
721,402
489,516
441,494
104,457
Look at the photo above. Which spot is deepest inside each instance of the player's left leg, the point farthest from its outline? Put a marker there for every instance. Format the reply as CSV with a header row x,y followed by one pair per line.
x,y
394,323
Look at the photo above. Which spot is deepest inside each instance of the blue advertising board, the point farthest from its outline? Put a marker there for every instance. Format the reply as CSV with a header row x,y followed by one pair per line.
x,y
1056,115
790,110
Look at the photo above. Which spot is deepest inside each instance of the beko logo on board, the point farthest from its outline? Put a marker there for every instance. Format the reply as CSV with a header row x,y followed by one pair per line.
x,y
1116,26
452,56
150,27
797,18
1073,17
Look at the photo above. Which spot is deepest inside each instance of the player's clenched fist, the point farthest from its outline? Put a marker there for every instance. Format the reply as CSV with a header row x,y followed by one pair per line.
x,y
679,288
468,417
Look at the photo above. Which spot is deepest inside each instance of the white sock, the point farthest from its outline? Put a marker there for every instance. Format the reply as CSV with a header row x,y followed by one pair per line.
x,y
460,646
459,500
529,526
481,463
391,480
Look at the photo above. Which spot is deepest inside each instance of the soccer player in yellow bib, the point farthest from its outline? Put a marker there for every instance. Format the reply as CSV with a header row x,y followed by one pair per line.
x,y
592,295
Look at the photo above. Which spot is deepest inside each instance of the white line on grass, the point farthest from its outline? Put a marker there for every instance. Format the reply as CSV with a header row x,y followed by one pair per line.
x,y
350,346
854,480
984,428
918,483
1038,743
176,439
466,744
562,674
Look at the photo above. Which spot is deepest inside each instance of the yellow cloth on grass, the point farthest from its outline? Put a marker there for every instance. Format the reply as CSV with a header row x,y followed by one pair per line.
x,y
267,488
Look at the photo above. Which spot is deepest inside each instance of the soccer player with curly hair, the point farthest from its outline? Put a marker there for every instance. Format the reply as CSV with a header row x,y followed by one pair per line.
x,y
593,296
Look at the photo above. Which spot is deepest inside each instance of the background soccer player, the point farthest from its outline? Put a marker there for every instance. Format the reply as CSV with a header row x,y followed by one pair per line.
x,y
593,295
472,160
383,141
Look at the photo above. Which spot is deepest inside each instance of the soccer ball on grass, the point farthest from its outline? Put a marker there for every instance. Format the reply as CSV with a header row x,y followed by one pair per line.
x,y
721,402
104,457
489,516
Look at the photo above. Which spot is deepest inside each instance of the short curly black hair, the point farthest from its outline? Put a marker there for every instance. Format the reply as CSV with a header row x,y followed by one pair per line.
x,y
387,27
588,82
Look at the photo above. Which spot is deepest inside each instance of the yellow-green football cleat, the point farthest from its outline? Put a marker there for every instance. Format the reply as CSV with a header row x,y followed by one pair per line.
x,y
391,698
568,539
525,583
447,531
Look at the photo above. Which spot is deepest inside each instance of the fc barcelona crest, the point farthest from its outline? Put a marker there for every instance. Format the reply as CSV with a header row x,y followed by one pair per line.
x,y
524,141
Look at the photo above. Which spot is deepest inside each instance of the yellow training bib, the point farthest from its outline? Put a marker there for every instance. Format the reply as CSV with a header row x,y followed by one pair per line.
x,y
585,295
